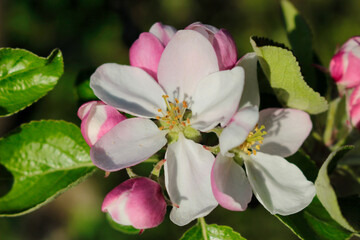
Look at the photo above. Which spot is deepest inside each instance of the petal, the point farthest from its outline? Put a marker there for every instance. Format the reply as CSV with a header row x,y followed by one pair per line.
x,y
216,98
187,178
97,119
279,186
188,58
355,115
85,109
206,30
115,203
241,124
163,32
230,186
250,95
128,143
351,76
225,49
123,88
286,130
146,206
145,53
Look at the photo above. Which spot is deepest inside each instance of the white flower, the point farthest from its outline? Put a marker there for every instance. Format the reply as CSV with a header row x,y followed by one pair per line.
x,y
279,186
189,80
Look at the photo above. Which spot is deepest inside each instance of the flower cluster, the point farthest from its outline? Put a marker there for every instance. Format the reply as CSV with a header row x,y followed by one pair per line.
x,y
179,84
345,70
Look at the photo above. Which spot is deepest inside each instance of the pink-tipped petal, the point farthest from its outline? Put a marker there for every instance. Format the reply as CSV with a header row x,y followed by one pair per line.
x,y
352,74
286,130
216,98
163,32
123,88
225,49
355,115
250,96
97,119
187,178
128,143
236,132
84,109
279,186
138,202
354,107
345,65
229,184
145,53
146,206
188,58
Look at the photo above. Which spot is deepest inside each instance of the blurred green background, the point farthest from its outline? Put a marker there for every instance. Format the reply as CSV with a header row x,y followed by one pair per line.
x,y
93,32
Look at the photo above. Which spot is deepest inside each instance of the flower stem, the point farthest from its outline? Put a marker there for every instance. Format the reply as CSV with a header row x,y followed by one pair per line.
x,y
203,227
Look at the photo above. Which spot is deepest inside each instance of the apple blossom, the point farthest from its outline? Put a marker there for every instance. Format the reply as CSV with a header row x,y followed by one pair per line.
x,y
345,65
97,119
279,185
146,51
138,202
191,94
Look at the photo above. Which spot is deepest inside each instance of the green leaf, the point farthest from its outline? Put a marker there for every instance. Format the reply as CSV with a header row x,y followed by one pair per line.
x,y
25,78
214,232
300,38
283,72
325,191
122,228
45,158
315,223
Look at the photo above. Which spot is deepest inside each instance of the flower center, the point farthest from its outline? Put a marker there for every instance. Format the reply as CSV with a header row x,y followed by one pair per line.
x,y
175,118
253,140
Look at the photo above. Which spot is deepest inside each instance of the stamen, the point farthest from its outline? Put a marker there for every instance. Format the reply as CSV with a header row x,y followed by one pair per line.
x,y
161,128
253,140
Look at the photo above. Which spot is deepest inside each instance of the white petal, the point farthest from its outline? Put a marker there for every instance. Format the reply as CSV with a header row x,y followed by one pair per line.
x,y
187,178
250,95
230,186
279,186
128,143
188,58
238,129
216,98
129,89
286,130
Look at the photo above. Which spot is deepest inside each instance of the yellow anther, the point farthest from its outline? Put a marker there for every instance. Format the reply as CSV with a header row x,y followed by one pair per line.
x,y
171,127
188,120
161,128
254,151
168,122
185,104
257,147
157,117
168,113
173,122
159,110
165,96
183,123
176,100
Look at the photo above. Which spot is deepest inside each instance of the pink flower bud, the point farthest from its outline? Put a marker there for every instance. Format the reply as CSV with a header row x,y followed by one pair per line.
x,y
222,41
146,51
138,202
97,119
345,65
354,107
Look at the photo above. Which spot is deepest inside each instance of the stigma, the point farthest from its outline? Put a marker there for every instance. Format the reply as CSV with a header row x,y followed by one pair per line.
x,y
174,118
253,141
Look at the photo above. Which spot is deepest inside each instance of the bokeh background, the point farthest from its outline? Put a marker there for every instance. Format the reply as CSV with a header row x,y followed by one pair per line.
x,y
92,32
